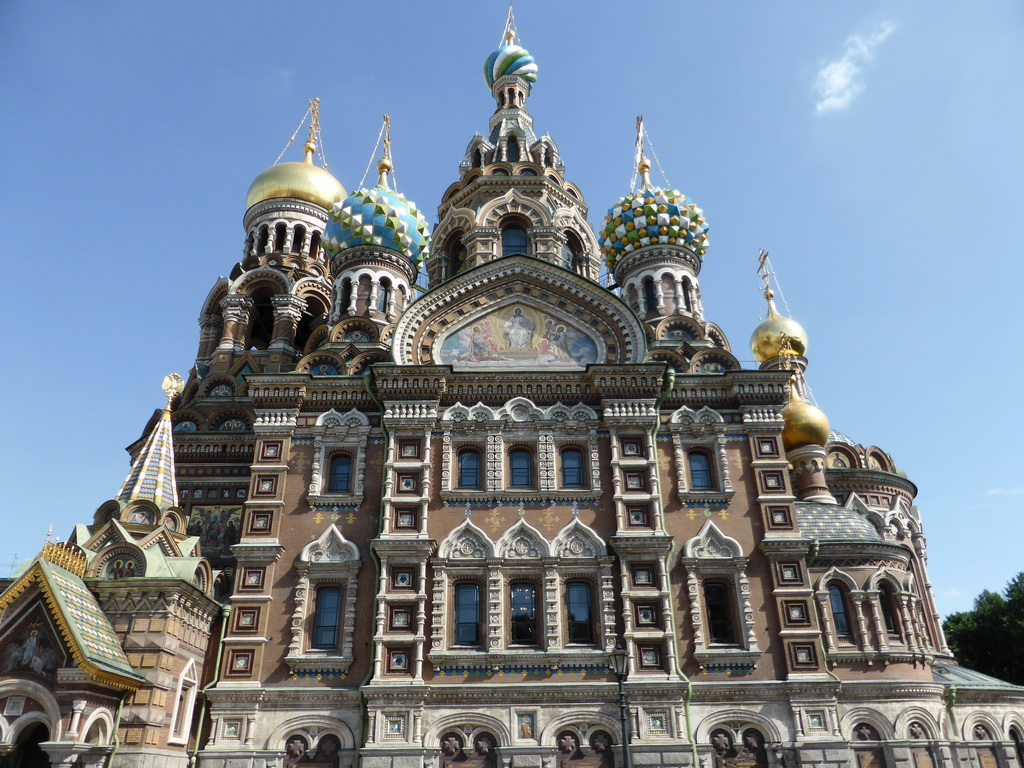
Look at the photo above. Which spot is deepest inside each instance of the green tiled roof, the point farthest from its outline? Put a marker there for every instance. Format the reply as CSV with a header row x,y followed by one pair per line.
x,y
82,623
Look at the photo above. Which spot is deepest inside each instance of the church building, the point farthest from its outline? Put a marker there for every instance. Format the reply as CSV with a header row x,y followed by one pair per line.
x,y
494,492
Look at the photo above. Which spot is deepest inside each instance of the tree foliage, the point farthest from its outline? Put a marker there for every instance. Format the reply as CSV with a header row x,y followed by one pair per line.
x,y
989,638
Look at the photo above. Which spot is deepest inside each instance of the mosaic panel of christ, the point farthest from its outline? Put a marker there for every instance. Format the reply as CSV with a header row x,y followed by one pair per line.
x,y
518,337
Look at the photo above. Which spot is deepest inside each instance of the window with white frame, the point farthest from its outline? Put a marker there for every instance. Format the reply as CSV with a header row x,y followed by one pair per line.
x,y
506,595
184,703
698,438
323,620
339,456
722,619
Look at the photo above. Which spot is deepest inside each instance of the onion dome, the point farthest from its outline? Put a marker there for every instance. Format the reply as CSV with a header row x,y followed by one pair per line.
x,y
650,217
775,332
510,59
303,181
381,217
804,423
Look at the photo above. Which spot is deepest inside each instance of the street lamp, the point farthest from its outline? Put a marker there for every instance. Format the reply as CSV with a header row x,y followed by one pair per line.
x,y
620,665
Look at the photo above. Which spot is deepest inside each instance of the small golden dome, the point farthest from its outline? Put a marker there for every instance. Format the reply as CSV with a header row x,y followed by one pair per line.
x,y
805,424
303,181
768,339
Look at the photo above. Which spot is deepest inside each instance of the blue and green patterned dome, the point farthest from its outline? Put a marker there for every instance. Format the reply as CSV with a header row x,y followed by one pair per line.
x,y
649,217
381,217
510,60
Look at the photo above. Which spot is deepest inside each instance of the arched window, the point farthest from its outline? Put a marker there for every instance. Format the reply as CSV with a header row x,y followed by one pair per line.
x,y
572,468
1018,745
700,471
346,294
467,614
887,602
718,608
181,717
477,159
650,298
264,239
578,611
280,234
327,618
513,241
513,150
298,239
457,252
382,296
840,617
469,468
523,601
314,245
340,479
520,465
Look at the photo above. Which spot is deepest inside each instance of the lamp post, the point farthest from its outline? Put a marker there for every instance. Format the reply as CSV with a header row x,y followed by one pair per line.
x,y
620,664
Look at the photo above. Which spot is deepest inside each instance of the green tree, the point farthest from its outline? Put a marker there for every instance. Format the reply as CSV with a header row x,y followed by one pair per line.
x,y
989,638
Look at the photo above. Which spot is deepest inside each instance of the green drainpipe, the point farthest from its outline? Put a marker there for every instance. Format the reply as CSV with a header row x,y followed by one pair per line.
x,y
225,611
116,736
668,383
368,384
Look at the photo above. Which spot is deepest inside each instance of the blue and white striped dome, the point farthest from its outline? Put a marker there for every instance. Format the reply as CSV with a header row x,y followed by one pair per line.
x,y
510,60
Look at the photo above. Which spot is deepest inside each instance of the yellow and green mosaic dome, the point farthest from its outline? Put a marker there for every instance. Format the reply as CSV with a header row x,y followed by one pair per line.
x,y
649,217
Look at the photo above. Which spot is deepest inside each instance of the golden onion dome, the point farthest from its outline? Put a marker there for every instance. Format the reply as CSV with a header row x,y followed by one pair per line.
x,y
303,181
770,338
804,423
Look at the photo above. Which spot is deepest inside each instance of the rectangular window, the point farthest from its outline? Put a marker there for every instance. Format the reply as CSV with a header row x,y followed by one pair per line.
x,y
718,608
578,609
340,478
572,468
520,464
327,618
467,614
700,471
469,468
524,613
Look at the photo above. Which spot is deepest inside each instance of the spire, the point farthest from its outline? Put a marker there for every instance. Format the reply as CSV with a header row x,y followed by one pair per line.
x,y
640,161
314,131
385,163
152,474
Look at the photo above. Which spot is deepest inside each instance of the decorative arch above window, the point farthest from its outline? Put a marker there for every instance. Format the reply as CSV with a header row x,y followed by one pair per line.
x,y
699,441
719,593
339,457
323,621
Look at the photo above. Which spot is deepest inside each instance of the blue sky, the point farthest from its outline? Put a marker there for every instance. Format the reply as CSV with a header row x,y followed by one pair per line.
x,y
873,148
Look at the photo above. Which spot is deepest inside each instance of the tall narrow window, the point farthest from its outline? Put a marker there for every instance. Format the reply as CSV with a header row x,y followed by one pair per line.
x,y
839,616
181,718
578,609
887,601
572,468
700,471
513,241
523,598
467,614
650,298
340,479
469,468
327,618
264,239
719,612
314,245
513,150
520,465
382,296
280,234
298,239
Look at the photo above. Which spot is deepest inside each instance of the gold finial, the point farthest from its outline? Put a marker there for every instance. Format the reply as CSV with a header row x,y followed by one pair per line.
x,y
385,165
172,387
314,131
640,161
67,556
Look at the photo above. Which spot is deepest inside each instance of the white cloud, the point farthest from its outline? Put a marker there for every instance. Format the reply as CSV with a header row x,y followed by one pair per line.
x,y
1005,492
839,82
